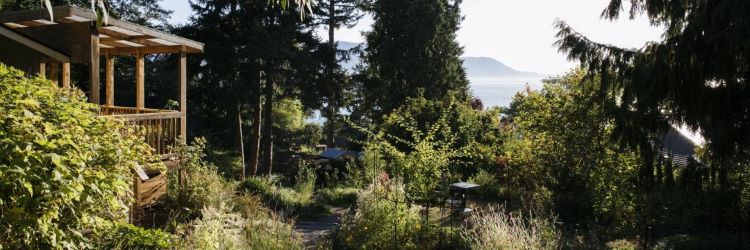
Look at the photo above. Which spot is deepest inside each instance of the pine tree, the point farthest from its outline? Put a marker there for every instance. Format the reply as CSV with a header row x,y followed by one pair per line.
x,y
334,14
412,51
696,75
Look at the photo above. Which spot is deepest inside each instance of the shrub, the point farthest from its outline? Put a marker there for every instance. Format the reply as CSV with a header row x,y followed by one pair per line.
x,y
489,185
338,196
202,187
218,228
293,202
264,228
64,172
383,219
245,225
494,229
127,236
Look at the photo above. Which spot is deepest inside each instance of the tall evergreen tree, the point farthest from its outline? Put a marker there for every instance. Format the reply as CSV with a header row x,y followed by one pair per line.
x,y
249,48
696,75
334,14
412,51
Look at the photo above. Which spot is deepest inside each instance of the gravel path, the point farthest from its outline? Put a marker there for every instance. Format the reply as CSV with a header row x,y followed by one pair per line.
x,y
322,227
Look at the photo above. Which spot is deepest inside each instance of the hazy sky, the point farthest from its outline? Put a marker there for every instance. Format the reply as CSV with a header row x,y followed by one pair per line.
x,y
518,33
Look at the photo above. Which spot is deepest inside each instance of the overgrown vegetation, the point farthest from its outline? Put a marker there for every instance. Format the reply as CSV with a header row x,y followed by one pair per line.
x,y
498,229
208,213
64,173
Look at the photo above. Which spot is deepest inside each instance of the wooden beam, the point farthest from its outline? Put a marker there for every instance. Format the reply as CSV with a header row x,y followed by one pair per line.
x,y
139,81
71,40
66,75
43,69
27,15
94,78
49,52
183,95
53,73
109,81
147,50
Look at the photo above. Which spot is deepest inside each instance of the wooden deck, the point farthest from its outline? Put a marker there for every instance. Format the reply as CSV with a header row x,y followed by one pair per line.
x,y
161,130
161,127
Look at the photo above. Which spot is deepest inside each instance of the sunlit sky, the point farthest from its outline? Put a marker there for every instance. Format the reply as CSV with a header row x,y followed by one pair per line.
x,y
517,33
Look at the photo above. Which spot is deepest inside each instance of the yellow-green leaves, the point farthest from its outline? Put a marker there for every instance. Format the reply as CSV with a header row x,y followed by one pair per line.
x,y
61,167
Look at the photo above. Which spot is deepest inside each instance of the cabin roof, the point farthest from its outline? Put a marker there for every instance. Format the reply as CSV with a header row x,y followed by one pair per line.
x,y
72,29
678,146
41,48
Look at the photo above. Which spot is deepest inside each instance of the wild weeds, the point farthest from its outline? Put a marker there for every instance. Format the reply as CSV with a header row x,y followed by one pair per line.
x,y
496,229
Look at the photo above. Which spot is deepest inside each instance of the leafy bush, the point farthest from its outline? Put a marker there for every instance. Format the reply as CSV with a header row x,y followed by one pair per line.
x,y
296,201
127,236
218,228
202,185
561,157
494,229
64,172
489,185
430,143
476,134
383,219
338,196
423,165
264,228
245,225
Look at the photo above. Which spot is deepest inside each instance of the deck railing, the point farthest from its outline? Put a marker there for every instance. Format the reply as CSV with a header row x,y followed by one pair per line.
x,y
161,127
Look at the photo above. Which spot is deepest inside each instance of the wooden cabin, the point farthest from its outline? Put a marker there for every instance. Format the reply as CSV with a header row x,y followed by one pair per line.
x,y
31,41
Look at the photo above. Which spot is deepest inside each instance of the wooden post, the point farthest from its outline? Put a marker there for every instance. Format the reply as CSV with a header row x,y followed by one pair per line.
x,y
139,78
53,73
136,199
94,78
42,69
183,96
66,75
109,81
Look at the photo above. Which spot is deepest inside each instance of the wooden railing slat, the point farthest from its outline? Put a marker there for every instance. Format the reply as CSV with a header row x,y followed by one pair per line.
x,y
160,127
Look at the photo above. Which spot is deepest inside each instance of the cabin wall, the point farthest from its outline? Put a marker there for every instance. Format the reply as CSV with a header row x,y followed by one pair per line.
x,y
20,56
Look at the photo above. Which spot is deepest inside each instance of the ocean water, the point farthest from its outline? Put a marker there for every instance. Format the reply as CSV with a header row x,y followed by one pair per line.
x,y
493,91
499,91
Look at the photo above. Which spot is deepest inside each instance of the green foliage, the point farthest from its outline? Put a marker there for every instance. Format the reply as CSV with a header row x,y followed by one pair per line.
x,y
691,76
219,218
64,171
489,185
429,143
297,201
560,156
338,196
288,115
218,228
202,185
496,229
127,236
412,52
476,134
423,166
384,219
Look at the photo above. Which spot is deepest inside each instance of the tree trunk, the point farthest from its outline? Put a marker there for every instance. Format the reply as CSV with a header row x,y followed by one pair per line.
x,y
239,141
331,108
255,138
268,122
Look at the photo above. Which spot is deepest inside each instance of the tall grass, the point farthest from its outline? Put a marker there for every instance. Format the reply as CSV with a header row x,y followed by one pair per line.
x,y
495,229
297,201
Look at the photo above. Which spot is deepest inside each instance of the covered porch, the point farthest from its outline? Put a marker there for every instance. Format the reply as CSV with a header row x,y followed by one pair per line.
x,y
72,37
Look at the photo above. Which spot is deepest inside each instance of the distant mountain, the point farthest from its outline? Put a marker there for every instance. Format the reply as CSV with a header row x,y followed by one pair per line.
x,y
488,67
475,66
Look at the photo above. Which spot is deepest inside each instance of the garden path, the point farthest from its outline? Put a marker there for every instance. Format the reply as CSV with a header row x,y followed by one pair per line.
x,y
311,231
